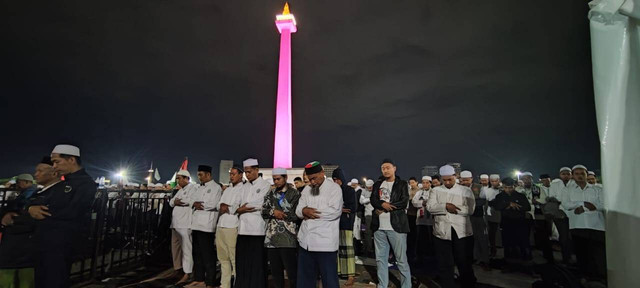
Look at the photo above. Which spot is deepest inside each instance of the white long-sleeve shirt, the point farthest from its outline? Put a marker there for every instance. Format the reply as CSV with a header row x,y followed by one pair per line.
x,y
458,195
181,215
558,189
365,199
489,193
205,220
251,223
321,234
420,196
232,197
422,218
575,197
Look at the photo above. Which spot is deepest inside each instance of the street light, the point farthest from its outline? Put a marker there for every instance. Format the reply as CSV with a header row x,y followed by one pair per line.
x,y
121,175
517,173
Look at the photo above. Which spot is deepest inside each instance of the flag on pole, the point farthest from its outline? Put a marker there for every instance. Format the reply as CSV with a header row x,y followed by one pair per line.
x,y
182,167
184,164
157,175
172,182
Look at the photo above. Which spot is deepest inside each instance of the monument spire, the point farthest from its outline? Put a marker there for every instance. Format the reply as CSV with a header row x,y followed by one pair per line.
x,y
282,146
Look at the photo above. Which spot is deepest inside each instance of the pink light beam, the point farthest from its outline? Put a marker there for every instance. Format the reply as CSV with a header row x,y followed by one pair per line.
x,y
282,148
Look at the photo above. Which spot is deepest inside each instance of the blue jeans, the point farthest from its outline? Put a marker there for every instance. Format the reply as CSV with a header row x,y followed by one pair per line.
x,y
310,264
398,243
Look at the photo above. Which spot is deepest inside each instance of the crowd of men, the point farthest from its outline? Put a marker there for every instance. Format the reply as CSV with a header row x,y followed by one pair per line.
x,y
312,229
317,227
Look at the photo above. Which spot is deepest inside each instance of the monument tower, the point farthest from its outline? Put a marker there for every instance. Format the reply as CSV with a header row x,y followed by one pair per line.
x,y
282,152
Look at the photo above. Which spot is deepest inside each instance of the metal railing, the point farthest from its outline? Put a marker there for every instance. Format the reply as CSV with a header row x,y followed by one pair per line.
x,y
128,227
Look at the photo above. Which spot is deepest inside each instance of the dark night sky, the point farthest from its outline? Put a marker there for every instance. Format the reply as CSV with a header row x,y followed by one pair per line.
x,y
496,85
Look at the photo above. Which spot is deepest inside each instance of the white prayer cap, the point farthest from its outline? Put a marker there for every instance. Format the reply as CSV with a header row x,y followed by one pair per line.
x,y
494,177
591,173
565,169
250,162
447,170
270,180
527,174
466,174
579,166
457,181
369,183
428,178
420,185
66,149
354,181
184,173
484,176
279,171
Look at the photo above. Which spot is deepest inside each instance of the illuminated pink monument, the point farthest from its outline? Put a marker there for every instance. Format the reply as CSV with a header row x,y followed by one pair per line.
x,y
282,155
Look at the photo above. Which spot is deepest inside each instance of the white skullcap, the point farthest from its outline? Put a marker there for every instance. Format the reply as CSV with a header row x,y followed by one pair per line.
x,y
184,173
466,174
369,183
527,174
428,178
457,181
565,169
447,170
591,173
279,171
270,180
250,162
484,176
66,149
420,185
494,177
354,181
579,167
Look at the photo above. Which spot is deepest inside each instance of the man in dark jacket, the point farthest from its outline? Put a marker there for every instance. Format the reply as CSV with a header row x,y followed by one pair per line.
x,y
346,252
515,231
390,198
16,248
63,218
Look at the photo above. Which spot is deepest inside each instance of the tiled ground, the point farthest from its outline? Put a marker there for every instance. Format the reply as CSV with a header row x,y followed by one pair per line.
x,y
486,279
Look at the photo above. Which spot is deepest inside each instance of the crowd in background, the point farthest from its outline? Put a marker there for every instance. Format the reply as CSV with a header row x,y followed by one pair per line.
x,y
320,227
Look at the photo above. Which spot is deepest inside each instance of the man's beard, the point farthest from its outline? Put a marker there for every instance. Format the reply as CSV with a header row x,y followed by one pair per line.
x,y
315,190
